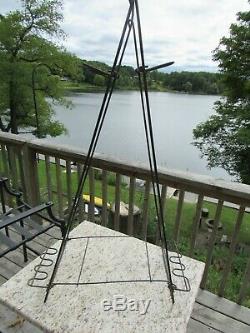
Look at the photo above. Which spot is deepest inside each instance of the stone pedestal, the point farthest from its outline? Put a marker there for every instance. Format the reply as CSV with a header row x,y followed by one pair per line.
x,y
101,307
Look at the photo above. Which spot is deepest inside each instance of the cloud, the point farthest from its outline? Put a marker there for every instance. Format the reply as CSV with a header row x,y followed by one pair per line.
x,y
6,6
184,31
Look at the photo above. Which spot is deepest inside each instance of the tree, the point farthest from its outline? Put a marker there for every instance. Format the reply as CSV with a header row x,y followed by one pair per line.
x,y
99,80
31,66
187,86
224,139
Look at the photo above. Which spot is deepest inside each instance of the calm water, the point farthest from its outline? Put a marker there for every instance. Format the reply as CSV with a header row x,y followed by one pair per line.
x,y
174,117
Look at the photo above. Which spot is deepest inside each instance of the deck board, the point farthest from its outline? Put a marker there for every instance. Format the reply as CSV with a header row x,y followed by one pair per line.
x,y
211,314
224,306
2,279
13,261
218,321
7,268
195,326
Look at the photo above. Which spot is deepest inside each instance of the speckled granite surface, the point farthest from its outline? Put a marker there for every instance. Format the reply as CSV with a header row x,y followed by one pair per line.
x,y
87,308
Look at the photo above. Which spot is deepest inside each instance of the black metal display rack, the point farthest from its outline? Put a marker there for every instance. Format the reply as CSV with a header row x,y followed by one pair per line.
x,y
132,27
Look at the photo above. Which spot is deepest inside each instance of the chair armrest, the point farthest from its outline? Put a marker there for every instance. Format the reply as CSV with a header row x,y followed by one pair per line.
x,y
8,220
3,182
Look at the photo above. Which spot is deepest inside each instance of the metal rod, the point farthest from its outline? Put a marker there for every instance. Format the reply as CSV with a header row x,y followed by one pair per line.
x,y
154,170
96,70
167,64
103,110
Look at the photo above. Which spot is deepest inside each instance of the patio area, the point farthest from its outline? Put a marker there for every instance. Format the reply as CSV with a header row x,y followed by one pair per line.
x,y
210,312
43,172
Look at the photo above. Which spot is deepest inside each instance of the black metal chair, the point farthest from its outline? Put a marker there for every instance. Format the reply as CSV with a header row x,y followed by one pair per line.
x,y
22,220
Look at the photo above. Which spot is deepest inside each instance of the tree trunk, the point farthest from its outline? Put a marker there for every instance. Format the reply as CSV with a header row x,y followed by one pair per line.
x,y
13,107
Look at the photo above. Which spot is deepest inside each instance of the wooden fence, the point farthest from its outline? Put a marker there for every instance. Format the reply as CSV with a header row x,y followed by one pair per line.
x,y
45,171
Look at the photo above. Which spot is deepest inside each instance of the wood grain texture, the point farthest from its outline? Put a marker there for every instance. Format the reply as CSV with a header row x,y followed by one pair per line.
x,y
59,187
104,198
231,253
196,224
69,184
211,243
91,213
178,216
131,206
224,306
218,321
145,210
117,202
208,186
48,177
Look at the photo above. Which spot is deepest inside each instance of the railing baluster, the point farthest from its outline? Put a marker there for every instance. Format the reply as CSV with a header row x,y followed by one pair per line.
x,y
81,201
22,176
6,172
18,162
231,251
117,202
59,187
104,198
5,161
244,285
13,167
1,160
163,203
31,175
131,206
91,212
69,186
211,243
196,224
178,216
48,177
145,210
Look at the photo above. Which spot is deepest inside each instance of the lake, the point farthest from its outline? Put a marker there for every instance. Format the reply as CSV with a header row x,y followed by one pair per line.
x,y
174,116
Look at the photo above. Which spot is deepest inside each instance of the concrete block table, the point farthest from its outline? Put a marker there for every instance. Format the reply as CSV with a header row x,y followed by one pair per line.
x,y
101,307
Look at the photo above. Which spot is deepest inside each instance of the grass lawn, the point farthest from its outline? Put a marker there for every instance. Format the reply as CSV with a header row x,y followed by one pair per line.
x,y
81,87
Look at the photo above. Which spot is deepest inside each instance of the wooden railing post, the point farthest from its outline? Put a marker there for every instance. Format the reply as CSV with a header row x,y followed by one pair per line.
x,y
229,260
117,202
211,244
31,175
178,216
145,210
163,204
59,187
91,212
244,285
131,206
196,224
19,163
104,198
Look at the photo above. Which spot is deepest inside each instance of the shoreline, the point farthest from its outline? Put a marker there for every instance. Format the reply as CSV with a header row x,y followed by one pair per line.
x,y
96,89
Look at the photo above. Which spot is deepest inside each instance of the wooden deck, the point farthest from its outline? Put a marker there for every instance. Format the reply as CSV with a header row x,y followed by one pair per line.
x,y
211,313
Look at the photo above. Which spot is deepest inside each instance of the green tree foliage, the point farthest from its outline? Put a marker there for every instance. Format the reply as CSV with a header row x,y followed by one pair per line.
x,y
127,77
26,51
224,139
189,82
194,82
99,80
88,75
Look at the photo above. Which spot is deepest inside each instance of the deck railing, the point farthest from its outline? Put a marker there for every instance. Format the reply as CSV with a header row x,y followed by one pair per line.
x,y
45,171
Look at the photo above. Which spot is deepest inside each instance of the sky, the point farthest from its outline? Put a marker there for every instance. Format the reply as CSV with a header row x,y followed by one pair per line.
x,y
173,30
